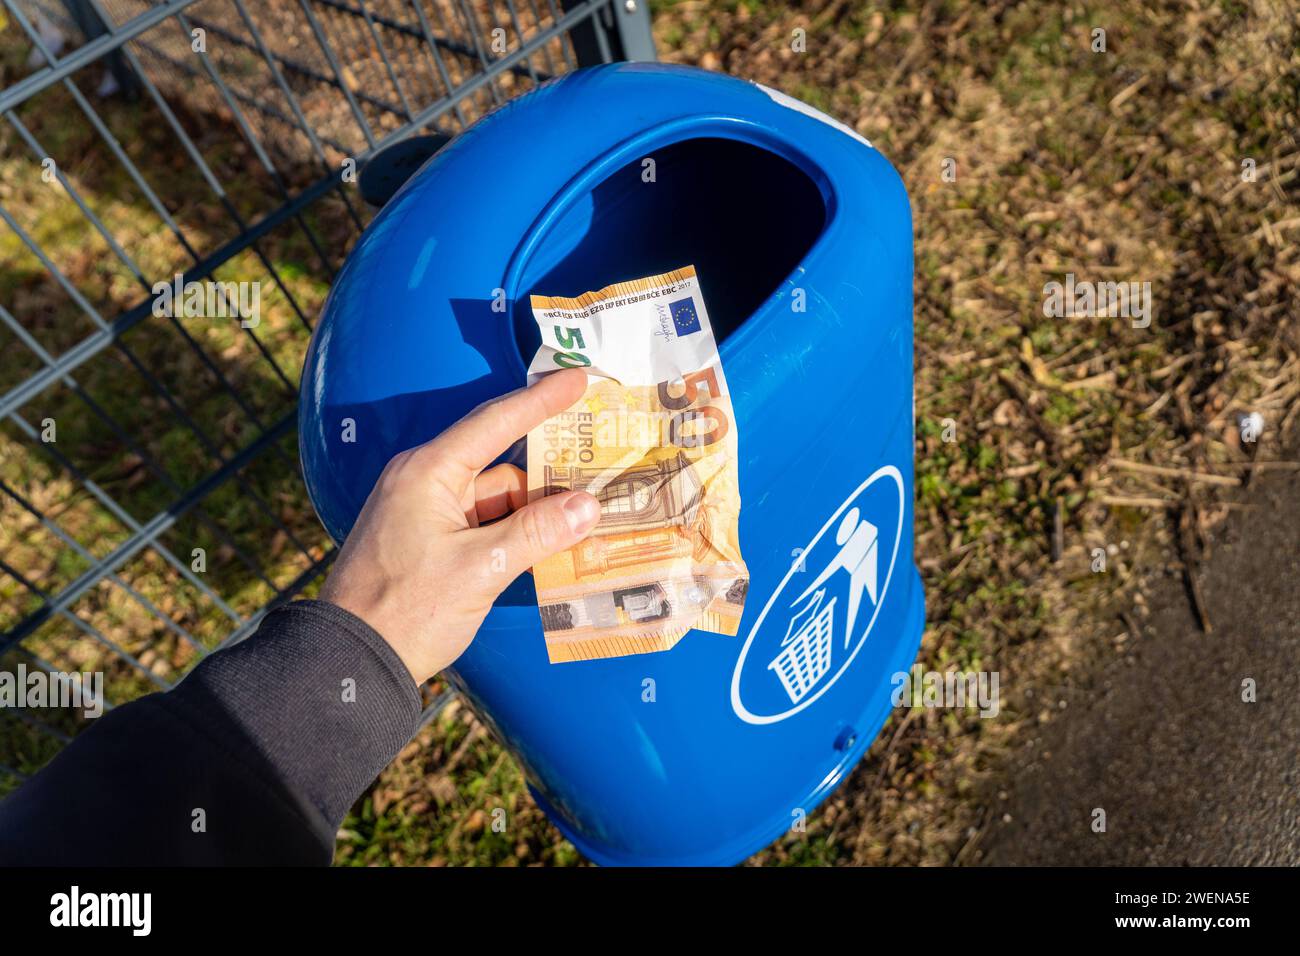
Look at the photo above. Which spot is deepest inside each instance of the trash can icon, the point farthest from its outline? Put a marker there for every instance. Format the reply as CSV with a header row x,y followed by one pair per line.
x,y
800,232
806,651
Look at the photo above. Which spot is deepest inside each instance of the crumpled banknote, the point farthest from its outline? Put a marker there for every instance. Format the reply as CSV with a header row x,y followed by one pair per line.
x,y
654,439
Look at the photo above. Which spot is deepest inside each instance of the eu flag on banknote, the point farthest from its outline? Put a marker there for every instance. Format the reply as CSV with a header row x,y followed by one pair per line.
x,y
685,319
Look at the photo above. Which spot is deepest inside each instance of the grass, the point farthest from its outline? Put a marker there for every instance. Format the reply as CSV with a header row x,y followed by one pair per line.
x,y
1123,165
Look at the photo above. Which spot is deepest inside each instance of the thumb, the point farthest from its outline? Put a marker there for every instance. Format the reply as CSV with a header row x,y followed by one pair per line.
x,y
543,528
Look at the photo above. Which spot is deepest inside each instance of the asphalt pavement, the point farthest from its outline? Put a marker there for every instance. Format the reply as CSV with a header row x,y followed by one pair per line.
x,y
1160,738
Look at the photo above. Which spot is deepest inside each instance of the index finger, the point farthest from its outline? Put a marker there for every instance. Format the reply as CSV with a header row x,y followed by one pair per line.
x,y
475,441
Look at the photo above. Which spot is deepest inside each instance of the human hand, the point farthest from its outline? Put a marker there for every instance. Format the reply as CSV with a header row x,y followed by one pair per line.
x,y
420,566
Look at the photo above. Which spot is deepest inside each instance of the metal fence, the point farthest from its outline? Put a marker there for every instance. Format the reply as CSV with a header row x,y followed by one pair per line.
x,y
151,504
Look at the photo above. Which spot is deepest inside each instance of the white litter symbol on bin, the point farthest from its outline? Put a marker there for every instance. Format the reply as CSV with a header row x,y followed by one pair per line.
x,y
859,555
826,627
806,649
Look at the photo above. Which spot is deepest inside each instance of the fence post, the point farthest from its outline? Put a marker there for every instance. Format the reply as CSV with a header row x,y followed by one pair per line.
x,y
91,23
618,31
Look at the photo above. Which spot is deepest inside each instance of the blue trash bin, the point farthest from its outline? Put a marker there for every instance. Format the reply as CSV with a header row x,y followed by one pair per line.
x,y
801,235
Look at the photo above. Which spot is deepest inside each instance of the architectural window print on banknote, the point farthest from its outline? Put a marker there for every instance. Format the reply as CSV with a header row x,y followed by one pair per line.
x,y
654,439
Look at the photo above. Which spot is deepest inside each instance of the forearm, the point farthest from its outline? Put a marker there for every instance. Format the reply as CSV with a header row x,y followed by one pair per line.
x,y
254,758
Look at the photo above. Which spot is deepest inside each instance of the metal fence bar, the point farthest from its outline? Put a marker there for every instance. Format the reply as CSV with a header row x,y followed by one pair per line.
x,y
135,447
569,61
632,23
338,72
192,151
143,538
123,516
84,105
88,629
519,33
76,546
88,53
130,263
388,64
40,153
434,708
431,51
95,343
272,58
272,63
81,625
435,41
34,35
546,53
206,440
251,138
478,48
31,720
432,113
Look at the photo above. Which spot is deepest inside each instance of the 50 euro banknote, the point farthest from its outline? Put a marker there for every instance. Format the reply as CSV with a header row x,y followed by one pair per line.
x,y
654,439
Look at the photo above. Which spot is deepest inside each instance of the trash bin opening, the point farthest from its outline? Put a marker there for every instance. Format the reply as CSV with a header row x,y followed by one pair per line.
x,y
742,215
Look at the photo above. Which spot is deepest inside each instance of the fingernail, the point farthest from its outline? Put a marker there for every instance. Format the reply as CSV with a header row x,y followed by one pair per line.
x,y
582,511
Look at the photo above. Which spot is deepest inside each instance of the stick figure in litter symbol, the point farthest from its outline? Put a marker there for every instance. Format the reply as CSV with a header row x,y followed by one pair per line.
x,y
858,555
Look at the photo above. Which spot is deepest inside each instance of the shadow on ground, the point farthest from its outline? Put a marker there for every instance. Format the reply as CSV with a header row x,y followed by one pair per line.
x,y
1187,772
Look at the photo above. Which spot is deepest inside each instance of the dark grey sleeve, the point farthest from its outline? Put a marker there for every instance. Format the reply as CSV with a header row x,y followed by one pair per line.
x,y
254,758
